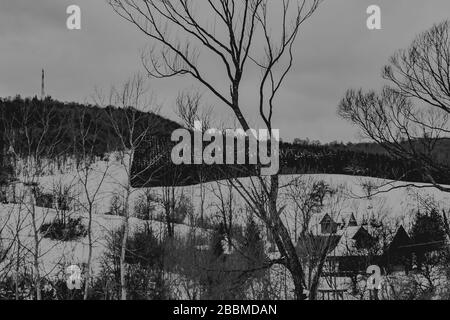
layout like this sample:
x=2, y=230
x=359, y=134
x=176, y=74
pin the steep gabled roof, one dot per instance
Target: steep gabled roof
x=348, y=240
x=326, y=219
x=400, y=240
x=352, y=221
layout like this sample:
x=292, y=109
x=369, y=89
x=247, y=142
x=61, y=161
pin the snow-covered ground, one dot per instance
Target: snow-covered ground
x=399, y=205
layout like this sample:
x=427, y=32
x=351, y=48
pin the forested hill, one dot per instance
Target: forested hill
x=368, y=159
x=60, y=128
x=57, y=129
x=294, y=159
x=351, y=159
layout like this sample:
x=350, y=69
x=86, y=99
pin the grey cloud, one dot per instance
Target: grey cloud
x=334, y=51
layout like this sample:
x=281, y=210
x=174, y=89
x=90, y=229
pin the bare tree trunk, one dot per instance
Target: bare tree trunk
x=132, y=133
x=18, y=249
x=251, y=22
x=126, y=231
x=316, y=278
x=16, y=277
x=284, y=241
x=89, y=262
x=37, y=277
x=169, y=205
x=202, y=201
x=292, y=261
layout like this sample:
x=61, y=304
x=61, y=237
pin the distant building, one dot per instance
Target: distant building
x=398, y=255
x=351, y=248
x=347, y=243
x=327, y=225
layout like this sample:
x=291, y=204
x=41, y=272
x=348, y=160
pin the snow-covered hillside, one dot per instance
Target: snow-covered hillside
x=399, y=205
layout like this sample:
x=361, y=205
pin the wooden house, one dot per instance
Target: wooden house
x=348, y=245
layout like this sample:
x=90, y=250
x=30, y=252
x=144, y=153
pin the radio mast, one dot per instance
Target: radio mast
x=43, y=85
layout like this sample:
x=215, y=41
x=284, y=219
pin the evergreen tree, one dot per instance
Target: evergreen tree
x=428, y=234
x=252, y=245
x=217, y=239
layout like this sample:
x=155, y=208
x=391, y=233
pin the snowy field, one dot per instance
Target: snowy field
x=397, y=205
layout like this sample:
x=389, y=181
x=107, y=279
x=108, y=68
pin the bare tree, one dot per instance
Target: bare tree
x=132, y=125
x=38, y=141
x=181, y=35
x=13, y=222
x=190, y=110
x=225, y=207
x=169, y=202
x=310, y=198
x=90, y=177
x=410, y=117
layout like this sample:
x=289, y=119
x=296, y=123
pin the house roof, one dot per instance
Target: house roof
x=400, y=239
x=341, y=243
x=347, y=241
x=326, y=219
x=343, y=218
x=352, y=220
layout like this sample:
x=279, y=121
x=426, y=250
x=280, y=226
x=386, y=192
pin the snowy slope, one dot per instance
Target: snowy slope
x=399, y=204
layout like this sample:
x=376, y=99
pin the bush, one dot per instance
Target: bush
x=184, y=208
x=252, y=246
x=6, y=174
x=116, y=207
x=25, y=288
x=3, y=197
x=428, y=233
x=145, y=206
x=63, y=199
x=208, y=223
x=44, y=200
x=69, y=230
x=143, y=248
x=145, y=259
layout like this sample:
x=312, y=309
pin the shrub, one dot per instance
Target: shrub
x=25, y=287
x=69, y=230
x=44, y=200
x=205, y=223
x=63, y=199
x=145, y=206
x=116, y=207
x=3, y=197
x=252, y=246
x=144, y=249
x=184, y=208
x=177, y=211
x=145, y=259
x=428, y=233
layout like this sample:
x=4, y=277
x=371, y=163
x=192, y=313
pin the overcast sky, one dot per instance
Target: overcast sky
x=335, y=51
